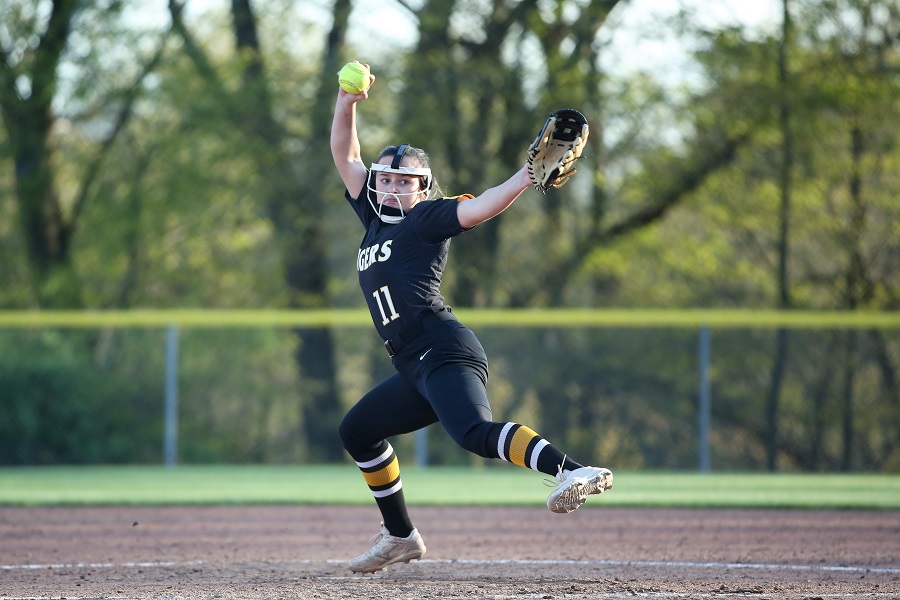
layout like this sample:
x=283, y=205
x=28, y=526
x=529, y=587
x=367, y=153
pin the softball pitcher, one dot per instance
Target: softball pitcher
x=441, y=367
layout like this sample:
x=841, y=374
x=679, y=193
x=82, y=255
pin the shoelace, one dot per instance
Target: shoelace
x=559, y=475
x=377, y=541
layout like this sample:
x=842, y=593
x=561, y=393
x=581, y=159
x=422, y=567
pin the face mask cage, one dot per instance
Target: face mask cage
x=389, y=214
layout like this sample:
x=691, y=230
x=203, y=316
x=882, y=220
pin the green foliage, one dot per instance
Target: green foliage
x=182, y=171
x=58, y=408
x=240, y=397
x=77, y=397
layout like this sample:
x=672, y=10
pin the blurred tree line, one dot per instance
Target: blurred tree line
x=182, y=161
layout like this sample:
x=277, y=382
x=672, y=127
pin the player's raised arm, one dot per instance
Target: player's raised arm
x=549, y=164
x=493, y=201
x=345, y=148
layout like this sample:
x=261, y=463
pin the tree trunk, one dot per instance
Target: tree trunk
x=29, y=120
x=297, y=212
x=784, y=296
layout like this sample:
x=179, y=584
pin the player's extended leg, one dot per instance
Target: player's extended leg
x=391, y=408
x=520, y=445
x=458, y=396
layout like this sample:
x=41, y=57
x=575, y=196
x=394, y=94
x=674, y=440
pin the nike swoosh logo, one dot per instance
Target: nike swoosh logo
x=426, y=352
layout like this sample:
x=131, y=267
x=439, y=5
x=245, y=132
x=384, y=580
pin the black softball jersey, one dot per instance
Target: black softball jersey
x=400, y=265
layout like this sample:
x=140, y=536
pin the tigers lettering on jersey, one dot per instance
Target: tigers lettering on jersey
x=366, y=257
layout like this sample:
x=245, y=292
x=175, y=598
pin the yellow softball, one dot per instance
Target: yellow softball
x=354, y=77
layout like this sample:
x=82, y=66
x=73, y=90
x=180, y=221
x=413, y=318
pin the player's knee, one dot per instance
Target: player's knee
x=475, y=440
x=350, y=435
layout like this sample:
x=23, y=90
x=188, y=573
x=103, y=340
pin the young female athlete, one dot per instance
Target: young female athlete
x=441, y=367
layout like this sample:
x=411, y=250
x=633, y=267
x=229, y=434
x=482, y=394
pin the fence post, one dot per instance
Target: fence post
x=170, y=436
x=420, y=450
x=705, y=403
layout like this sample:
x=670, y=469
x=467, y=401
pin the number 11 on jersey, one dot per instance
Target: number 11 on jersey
x=385, y=318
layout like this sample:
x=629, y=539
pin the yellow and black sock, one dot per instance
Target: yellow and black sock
x=521, y=446
x=382, y=475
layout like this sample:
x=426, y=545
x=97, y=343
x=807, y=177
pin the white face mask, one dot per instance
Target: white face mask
x=389, y=214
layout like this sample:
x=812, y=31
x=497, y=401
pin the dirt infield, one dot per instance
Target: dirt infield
x=493, y=553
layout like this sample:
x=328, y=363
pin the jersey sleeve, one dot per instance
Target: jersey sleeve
x=361, y=206
x=436, y=220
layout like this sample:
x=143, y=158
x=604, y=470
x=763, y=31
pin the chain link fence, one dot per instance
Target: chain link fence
x=657, y=396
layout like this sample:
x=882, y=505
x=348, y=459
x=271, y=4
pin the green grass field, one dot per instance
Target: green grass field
x=21, y=486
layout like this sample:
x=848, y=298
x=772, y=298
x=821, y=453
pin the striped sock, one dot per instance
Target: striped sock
x=382, y=475
x=521, y=446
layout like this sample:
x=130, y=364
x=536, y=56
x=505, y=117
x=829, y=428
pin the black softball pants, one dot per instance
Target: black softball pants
x=441, y=377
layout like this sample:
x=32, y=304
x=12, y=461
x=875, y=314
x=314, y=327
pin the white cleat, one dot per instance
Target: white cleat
x=575, y=486
x=389, y=549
